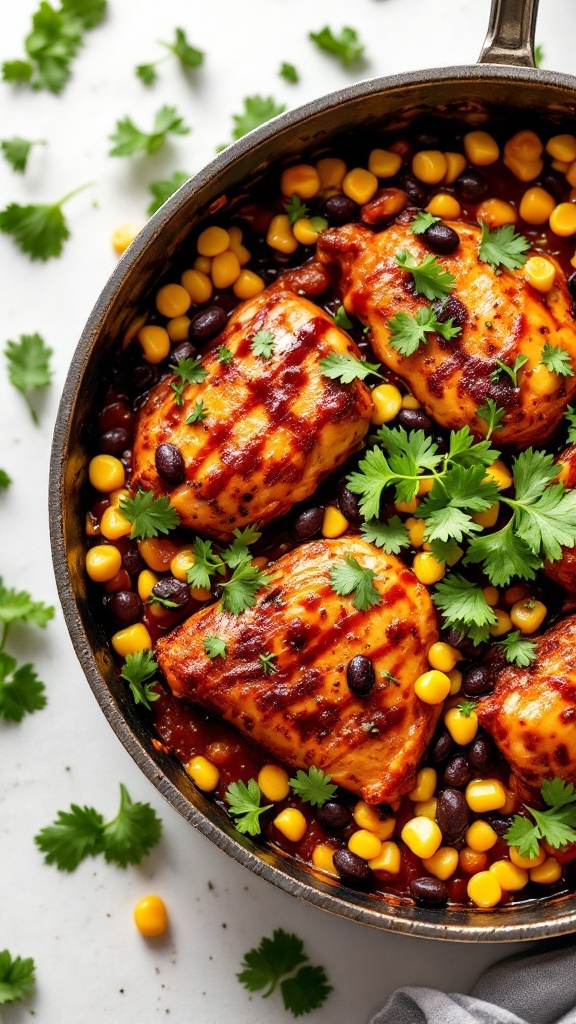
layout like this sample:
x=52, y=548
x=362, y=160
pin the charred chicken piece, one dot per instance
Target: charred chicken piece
x=305, y=712
x=501, y=316
x=532, y=712
x=270, y=427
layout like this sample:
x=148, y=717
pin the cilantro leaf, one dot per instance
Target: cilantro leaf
x=139, y=670
x=538, y=55
x=267, y=663
x=518, y=650
x=341, y=319
x=214, y=647
x=511, y=371
x=17, y=150
x=188, y=56
x=407, y=332
x=556, y=825
x=88, y=12
x=239, y=592
x=18, y=606
x=149, y=516
x=347, y=368
x=503, y=556
x=313, y=786
x=570, y=417
x=244, y=806
x=492, y=414
x=274, y=962
x=5, y=480
x=502, y=247
x=422, y=221
x=39, y=229
x=17, y=71
x=206, y=564
x=306, y=991
x=74, y=835
x=162, y=190
x=132, y=833
x=188, y=371
x=128, y=139
x=16, y=977
x=544, y=512
x=257, y=110
x=50, y=46
x=262, y=344
x=430, y=279
x=21, y=692
x=289, y=73
x=557, y=360
x=459, y=492
x=466, y=707
x=295, y=208
x=346, y=46
x=29, y=366
x=557, y=793
x=349, y=577
x=391, y=536
x=198, y=413
x=224, y=355
x=464, y=607
x=146, y=73
x=247, y=535
x=525, y=835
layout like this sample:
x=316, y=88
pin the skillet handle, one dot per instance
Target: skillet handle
x=510, y=36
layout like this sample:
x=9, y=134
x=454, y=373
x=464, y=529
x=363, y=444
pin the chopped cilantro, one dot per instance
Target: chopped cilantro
x=341, y=319
x=149, y=516
x=162, y=190
x=346, y=46
x=502, y=247
x=274, y=962
x=257, y=110
x=557, y=360
x=16, y=151
x=198, y=413
x=422, y=221
x=16, y=977
x=244, y=806
x=128, y=139
x=511, y=371
x=267, y=665
x=430, y=280
x=29, y=366
x=139, y=670
x=407, y=332
x=349, y=577
x=214, y=647
x=556, y=825
x=313, y=786
x=289, y=73
x=492, y=414
x=518, y=650
x=295, y=208
x=262, y=344
x=39, y=229
x=391, y=536
x=347, y=368
x=464, y=607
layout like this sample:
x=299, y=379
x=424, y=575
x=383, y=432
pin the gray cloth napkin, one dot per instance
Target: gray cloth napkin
x=537, y=989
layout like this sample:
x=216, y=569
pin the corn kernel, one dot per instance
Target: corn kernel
x=198, y=285
x=481, y=837
x=291, y=823
x=113, y=525
x=543, y=381
x=155, y=343
x=150, y=916
x=106, y=473
x=562, y=147
x=225, y=269
x=203, y=773
x=524, y=170
x=239, y=250
x=416, y=529
x=432, y=687
x=331, y=171
x=172, y=300
x=118, y=495
x=526, y=862
x=540, y=273
x=422, y=836
x=547, y=873
x=500, y=474
x=481, y=148
x=502, y=625
x=471, y=861
x=212, y=241
x=429, y=166
x=387, y=403
x=203, y=264
x=485, y=795
x=492, y=594
x=455, y=164
x=563, y=219
x=442, y=656
x=304, y=232
x=146, y=582
x=409, y=402
x=157, y=553
x=365, y=844
x=426, y=808
x=496, y=213
x=512, y=802
x=274, y=782
x=484, y=889
x=461, y=727
x=425, y=785
x=323, y=859
x=131, y=640
x=562, y=166
x=360, y=185
x=178, y=328
x=389, y=859
x=383, y=163
x=571, y=175
x=200, y=593
x=301, y=180
x=455, y=677
x=524, y=145
x=445, y=206
x=425, y=485
x=334, y=524
x=442, y=864
x=367, y=818
x=536, y=205
x=514, y=594
x=122, y=236
x=510, y=877
x=103, y=562
x=427, y=569
x=408, y=507
x=528, y=615
x=248, y=285
x=280, y=235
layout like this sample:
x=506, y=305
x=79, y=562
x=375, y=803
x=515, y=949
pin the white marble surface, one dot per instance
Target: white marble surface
x=92, y=965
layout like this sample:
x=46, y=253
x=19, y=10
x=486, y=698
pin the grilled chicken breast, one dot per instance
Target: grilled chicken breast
x=273, y=428
x=532, y=712
x=304, y=712
x=501, y=317
x=563, y=570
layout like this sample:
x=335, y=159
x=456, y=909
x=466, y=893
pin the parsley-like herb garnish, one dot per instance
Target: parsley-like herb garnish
x=21, y=692
x=128, y=139
x=39, y=229
x=313, y=787
x=244, y=806
x=518, y=650
x=342, y=320
x=239, y=592
x=346, y=46
x=466, y=707
x=29, y=366
x=5, y=480
x=262, y=344
x=511, y=371
x=391, y=536
x=149, y=516
x=492, y=414
x=267, y=663
x=557, y=360
x=188, y=57
x=295, y=208
x=162, y=190
x=139, y=670
x=289, y=73
x=346, y=368
x=430, y=280
x=422, y=221
x=257, y=110
x=16, y=977
x=464, y=607
x=556, y=825
x=349, y=577
x=407, y=332
x=570, y=417
x=188, y=371
x=274, y=962
x=502, y=247
x=206, y=564
x=214, y=647
x=198, y=413
x=17, y=150
x=224, y=355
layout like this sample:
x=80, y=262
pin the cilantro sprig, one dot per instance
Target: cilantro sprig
x=17, y=150
x=128, y=139
x=188, y=56
x=243, y=801
x=38, y=229
x=257, y=110
x=344, y=367
x=407, y=332
x=5, y=480
x=430, y=280
x=215, y=647
x=29, y=367
x=139, y=671
x=274, y=963
x=187, y=371
x=238, y=593
x=82, y=832
x=162, y=190
x=295, y=208
x=510, y=371
x=422, y=221
x=464, y=607
x=502, y=247
x=391, y=536
x=313, y=787
x=16, y=977
x=263, y=344
x=349, y=577
x=556, y=825
x=518, y=650
x=345, y=46
x=21, y=692
x=557, y=360
x=341, y=319
x=149, y=515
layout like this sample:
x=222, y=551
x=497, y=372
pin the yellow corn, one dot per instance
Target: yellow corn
x=383, y=163
x=389, y=859
x=331, y=172
x=471, y=861
x=462, y=728
x=514, y=594
x=481, y=148
x=429, y=166
x=443, y=657
x=455, y=164
x=203, y=264
x=540, y=273
x=203, y=773
x=432, y=687
x=131, y=640
x=510, y=877
x=416, y=529
x=480, y=836
x=563, y=219
x=484, y=889
x=526, y=862
x=155, y=343
x=528, y=615
x=239, y=250
x=274, y=782
x=543, y=381
x=198, y=285
x=201, y=593
x=181, y=562
x=408, y=507
x=360, y=185
x=524, y=170
x=300, y=180
x=150, y=916
x=422, y=836
x=367, y=818
x=113, y=525
x=323, y=858
x=485, y=795
x=122, y=236
x=147, y=580
x=426, y=808
x=425, y=485
x=455, y=677
x=280, y=235
x=409, y=402
x=225, y=269
x=334, y=524
x=445, y=206
x=427, y=569
x=365, y=844
x=157, y=552
x=442, y=864
x=547, y=873
x=247, y=285
x=103, y=562
x=500, y=474
x=502, y=625
x=562, y=147
x=172, y=300
x=212, y=241
x=536, y=205
x=425, y=785
x=304, y=232
x=178, y=328
x=492, y=594
x=387, y=403
x=571, y=175
x=106, y=473
x=291, y=823
x=118, y=495
x=524, y=145
x=496, y=212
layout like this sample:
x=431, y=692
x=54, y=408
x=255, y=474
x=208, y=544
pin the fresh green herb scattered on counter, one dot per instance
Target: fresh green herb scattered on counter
x=139, y=670
x=244, y=806
x=313, y=786
x=295, y=208
x=557, y=360
x=502, y=247
x=430, y=280
x=21, y=692
x=162, y=190
x=214, y=647
x=346, y=368
x=16, y=977
x=341, y=319
x=188, y=57
x=54, y=41
x=267, y=663
x=257, y=110
x=492, y=414
x=5, y=480
x=556, y=825
x=539, y=55
x=510, y=371
x=464, y=607
x=349, y=577
x=274, y=962
x=29, y=366
x=128, y=139
x=149, y=516
x=407, y=332
x=17, y=150
x=262, y=344
x=518, y=650
x=82, y=832
x=391, y=536
x=289, y=73
x=422, y=221
x=39, y=229
x=346, y=46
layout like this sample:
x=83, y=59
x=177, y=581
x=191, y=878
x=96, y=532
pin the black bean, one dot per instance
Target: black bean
x=451, y=309
x=427, y=139
x=360, y=675
x=457, y=772
x=452, y=814
x=207, y=323
x=114, y=442
x=471, y=186
x=482, y=753
x=143, y=377
x=132, y=560
x=169, y=463
x=413, y=188
x=334, y=816
x=225, y=301
x=441, y=443
x=441, y=239
x=555, y=184
x=308, y=523
x=415, y=419
x=349, y=504
x=185, y=350
x=126, y=607
x=351, y=867
x=428, y=890
x=441, y=747
x=478, y=681
x=572, y=286
x=499, y=823
x=340, y=210
x=171, y=589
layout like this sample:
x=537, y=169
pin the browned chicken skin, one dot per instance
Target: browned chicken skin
x=532, y=712
x=304, y=713
x=505, y=317
x=274, y=427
